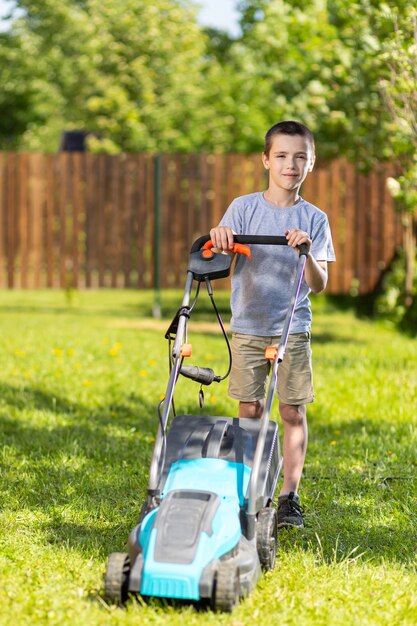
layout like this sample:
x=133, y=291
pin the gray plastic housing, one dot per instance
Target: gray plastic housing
x=229, y=438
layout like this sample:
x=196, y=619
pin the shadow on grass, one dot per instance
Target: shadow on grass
x=363, y=305
x=127, y=310
x=331, y=338
x=86, y=470
x=87, y=464
x=360, y=493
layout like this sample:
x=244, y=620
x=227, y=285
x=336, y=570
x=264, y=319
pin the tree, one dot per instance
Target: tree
x=109, y=67
x=293, y=54
x=324, y=61
x=18, y=93
x=400, y=96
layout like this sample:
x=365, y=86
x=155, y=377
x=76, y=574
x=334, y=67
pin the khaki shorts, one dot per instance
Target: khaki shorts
x=249, y=375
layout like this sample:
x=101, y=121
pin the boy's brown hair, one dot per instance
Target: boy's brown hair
x=288, y=127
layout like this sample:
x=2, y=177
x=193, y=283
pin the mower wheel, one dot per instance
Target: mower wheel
x=226, y=588
x=266, y=537
x=116, y=578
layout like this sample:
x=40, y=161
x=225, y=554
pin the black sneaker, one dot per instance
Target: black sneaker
x=289, y=511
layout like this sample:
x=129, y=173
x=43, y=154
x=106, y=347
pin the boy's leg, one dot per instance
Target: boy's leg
x=295, y=438
x=295, y=390
x=294, y=420
x=294, y=444
x=251, y=409
x=247, y=382
x=294, y=451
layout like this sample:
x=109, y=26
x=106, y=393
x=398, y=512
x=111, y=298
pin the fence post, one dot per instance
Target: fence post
x=156, y=309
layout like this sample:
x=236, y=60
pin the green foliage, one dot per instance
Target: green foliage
x=322, y=64
x=399, y=53
x=399, y=90
x=18, y=93
x=79, y=388
x=129, y=71
x=391, y=304
x=143, y=75
x=289, y=54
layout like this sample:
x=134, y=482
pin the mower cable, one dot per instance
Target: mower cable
x=218, y=379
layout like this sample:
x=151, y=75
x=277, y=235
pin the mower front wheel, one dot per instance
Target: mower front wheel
x=116, y=578
x=227, y=588
x=266, y=537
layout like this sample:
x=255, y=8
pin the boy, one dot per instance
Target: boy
x=261, y=291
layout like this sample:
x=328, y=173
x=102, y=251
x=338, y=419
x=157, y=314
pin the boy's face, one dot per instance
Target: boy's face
x=289, y=161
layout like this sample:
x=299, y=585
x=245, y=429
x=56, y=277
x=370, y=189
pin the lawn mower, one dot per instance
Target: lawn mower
x=208, y=526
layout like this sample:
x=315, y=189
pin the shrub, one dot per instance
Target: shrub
x=391, y=303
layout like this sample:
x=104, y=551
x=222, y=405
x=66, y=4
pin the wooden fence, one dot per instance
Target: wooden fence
x=84, y=220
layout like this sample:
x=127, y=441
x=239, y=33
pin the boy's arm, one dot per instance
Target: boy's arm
x=316, y=274
x=315, y=271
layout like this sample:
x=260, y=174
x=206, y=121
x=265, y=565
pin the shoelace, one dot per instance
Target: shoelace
x=291, y=506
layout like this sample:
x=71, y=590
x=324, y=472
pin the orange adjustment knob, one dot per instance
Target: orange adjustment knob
x=271, y=353
x=207, y=254
x=186, y=349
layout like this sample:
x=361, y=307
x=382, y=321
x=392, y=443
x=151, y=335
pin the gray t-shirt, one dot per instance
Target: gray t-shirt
x=261, y=287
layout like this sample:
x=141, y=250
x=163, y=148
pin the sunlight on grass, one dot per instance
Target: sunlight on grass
x=79, y=388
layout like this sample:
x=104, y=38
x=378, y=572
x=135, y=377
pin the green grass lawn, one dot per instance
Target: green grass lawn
x=79, y=384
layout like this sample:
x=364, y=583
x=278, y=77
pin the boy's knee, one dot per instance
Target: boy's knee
x=251, y=409
x=292, y=415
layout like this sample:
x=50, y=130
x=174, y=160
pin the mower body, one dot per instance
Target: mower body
x=176, y=549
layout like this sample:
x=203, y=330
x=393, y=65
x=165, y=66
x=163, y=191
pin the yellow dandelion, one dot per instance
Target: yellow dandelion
x=57, y=351
x=336, y=432
x=114, y=351
x=87, y=383
x=143, y=373
x=152, y=362
x=70, y=351
x=77, y=366
x=333, y=443
x=389, y=452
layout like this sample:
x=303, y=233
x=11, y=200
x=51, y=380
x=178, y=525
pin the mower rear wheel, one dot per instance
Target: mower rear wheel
x=266, y=537
x=227, y=588
x=116, y=578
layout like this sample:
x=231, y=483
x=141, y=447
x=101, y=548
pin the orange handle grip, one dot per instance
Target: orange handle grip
x=241, y=248
x=238, y=248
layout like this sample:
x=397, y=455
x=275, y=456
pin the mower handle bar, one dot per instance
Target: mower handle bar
x=265, y=240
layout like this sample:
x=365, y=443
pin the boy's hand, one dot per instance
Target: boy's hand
x=295, y=237
x=222, y=238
